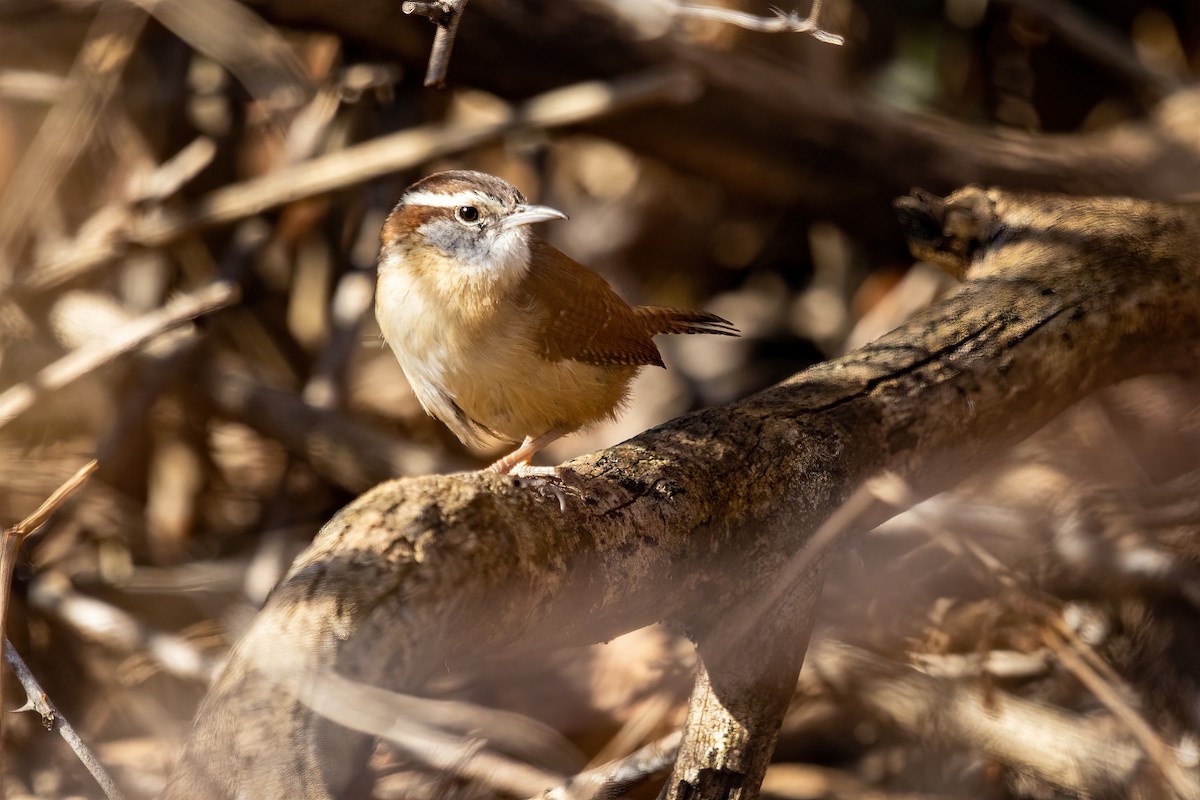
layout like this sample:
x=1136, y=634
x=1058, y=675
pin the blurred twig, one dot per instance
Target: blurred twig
x=1068, y=750
x=31, y=86
x=66, y=130
x=782, y=22
x=869, y=505
x=1074, y=654
x=343, y=450
x=137, y=332
x=240, y=40
x=567, y=106
x=445, y=14
x=11, y=545
x=450, y=737
x=351, y=301
x=117, y=629
x=176, y=171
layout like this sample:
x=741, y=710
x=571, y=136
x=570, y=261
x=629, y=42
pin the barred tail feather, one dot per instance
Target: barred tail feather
x=675, y=320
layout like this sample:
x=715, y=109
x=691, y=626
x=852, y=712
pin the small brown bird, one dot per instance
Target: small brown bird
x=500, y=334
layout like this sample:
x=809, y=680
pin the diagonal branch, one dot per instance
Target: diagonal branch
x=688, y=522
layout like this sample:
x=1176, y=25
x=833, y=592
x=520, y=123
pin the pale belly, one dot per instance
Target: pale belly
x=498, y=379
x=515, y=392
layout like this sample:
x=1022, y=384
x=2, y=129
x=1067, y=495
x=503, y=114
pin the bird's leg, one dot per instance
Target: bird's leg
x=517, y=462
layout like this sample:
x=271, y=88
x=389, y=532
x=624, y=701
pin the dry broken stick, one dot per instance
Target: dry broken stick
x=445, y=14
x=688, y=521
x=11, y=545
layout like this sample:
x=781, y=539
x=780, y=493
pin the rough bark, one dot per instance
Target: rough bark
x=688, y=520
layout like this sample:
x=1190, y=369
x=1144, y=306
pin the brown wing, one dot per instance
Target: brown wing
x=580, y=317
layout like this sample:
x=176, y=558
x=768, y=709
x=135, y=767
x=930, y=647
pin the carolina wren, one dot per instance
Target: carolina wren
x=500, y=334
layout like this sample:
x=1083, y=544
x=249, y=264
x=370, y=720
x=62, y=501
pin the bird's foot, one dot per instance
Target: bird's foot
x=517, y=462
x=550, y=482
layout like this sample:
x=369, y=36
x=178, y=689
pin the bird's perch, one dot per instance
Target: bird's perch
x=690, y=520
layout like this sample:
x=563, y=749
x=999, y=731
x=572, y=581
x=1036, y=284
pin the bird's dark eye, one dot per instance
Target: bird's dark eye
x=467, y=214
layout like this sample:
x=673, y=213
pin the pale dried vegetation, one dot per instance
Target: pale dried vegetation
x=189, y=211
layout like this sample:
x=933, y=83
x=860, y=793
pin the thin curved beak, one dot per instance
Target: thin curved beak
x=527, y=215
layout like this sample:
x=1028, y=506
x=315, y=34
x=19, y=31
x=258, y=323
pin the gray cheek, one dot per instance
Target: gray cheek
x=457, y=241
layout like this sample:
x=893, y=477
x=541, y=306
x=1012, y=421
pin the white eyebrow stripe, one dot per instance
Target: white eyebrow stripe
x=437, y=200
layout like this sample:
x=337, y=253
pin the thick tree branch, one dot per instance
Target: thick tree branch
x=687, y=521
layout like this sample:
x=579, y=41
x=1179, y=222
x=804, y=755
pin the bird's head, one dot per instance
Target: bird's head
x=477, y=222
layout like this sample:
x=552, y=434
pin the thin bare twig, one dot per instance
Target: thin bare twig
x=53, y=719
x=42, y=513
x=12, y=539
x=782, y=22
x=137, y=332
x=445, y=14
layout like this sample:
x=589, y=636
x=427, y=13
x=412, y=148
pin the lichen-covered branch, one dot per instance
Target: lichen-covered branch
x=687, y=521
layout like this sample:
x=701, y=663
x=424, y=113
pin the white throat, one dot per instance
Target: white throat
x=499, y=258
x=507, y=258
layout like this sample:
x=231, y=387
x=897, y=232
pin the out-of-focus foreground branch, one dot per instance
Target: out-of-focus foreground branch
x=688, y=521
